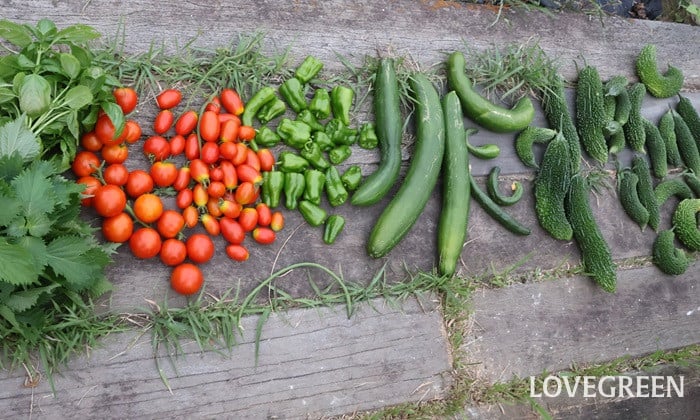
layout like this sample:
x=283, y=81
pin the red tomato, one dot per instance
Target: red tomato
x=266, y=159
x=183, y=178
x=252, y=159
x=246, y=132
x=199, y=171
x=132, y=131
x=191, y=216
x=214, y=105
x=91, y=185
x=173, y=252
x=200, y=248
x=148, y=208
x=186, y=279
x=145, y=243
x=248, y=219
x=264, y=235
x=163, y=173
x=85, y=163
x=177, y=145
x=105, y=131
x=229, y=175
x=89, y=141
x=229, y=130
x=246, y=193
x=126, y=98
x=116, y=174
x=200, y=196
x=192, y=147
x=237, y=252
x=241, y=154
x=230, y=208
x=115, y=153
x=209, y=153
x=211, y=225
x=247, y=173
x=109, y=200
x=184, y=198
x=213, y=207
x=186, y=123
x=264, y=214
x=231, y=101
x=169, y=98
x=170, y=223
x=231, y=230
x=163, y=121
x=139, y=183
x=216, y=173
x=118, y=228
x=209, y=126
x=156, y=148
x=228, y=150
x=216, y=189
x=277, y=221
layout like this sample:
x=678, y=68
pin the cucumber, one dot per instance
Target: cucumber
x=596, y=256
x=668, y=133
x=525, y=140
x=389, y=130
x=666, y=256
x=484, y=151
x=690, y=115
x=672, y=187
x=629, y=199
x=685, y=223
x=454, y=215
x=590, y=113
x=495, y=211
x=656, y=148
x=634, y=129
x=403, y=210
x=551, y=187
x=558, y=116
x=645, y=190
x=687, y=147
x=495, y=193
x=659, y=85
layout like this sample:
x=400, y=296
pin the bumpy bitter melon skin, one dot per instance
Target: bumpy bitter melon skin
x=685, y=224
x=668, y=133
x=629, y=199
x=687, y=148
x=551, y=186
x=672, y=187
x=590, y=113
x=634, y=129
x=690, y=115
x=656, y=148
x=659, y=85
x=645, y=190
x=595, y=251
x=526, y=138
x=666, y=256
x=558, y=116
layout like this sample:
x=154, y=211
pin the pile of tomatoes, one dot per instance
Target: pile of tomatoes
x=217, y=186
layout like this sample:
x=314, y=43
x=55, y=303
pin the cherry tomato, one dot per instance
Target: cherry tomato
x=173, y=252
x=116, y=174
x=186, y=123
x=145, y=243
x=177, y=145
x=231, y=101
x=277, y=221
x=216, y=189
x=109, y=200
x=91, y=185
x=246, y=132
x=163, y=173
x=199, y=171
x=264, y=214
x=148, y=207
x=229, y=130
x=126, y=98
x=183, y=178
x=246, y=193
x=231, y=230
x=200, y=248
x=248, y=219
x=115, y=153
x=200, y=196
x=156, y=148
x=247, y=173
x=264, y=235
x=228, y=150
x=118, y=228
x=139, y=183
x=163, y=121
x=191, y=216
x=213, y=207
x=211, y=225
x=214, y=105
x=184, y=198
x=237, y=252
x=132, y=131
x=266, y=159
x=209, y=126
x=192, y=147
x=85, y=163
x=216, y=173
x=186, y=279
x=170, y=223
x=169, y=98
x=89, y=141
x=209, y=153
x=105, y=131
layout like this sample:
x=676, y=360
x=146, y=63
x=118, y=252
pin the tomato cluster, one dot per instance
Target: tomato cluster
x=218, y=186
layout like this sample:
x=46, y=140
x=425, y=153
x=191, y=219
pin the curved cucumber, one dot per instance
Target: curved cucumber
x=495, y=211
x=404, y=208
x=495, y=193
x=484, y=151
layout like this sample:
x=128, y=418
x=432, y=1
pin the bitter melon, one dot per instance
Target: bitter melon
x=590, y=113
x=687, y=147
x=668, y=133
x=690, y=116
x=666, y=256
x=670, y=188
x=693, y=182
x=629, y=199
x=634, y=129
x=685, y=223
x=526, y=138
x=559, y=118
x=645, y=190
x=659, y=85
x=596, y=256
x=551, y=185
x=656, y=148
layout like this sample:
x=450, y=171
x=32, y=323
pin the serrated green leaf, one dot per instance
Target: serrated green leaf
x=33, y=189
x=77, y=34
x=26, y=299
x=36, y=248
x=101, y=286
x=10, y=167
x=68, y=257
x=6, y=95
x=16, y=137
x=10, y=208
x=38, y=225
x=16, y=265
x=17, y=228
x=15, y=33
x=34, y=95
x=78, y=97
x=70, y=65
x=9, y=316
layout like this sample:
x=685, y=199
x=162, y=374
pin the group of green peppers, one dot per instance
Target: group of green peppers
x=306, y=173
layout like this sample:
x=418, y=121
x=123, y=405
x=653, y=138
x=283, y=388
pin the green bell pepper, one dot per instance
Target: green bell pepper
x=291, y=162
x=308, y=69
x=320, y=104
x=309, y=119
x=315, y=181
x=273, y=185
x=352, y=177
x=333, y=226
x=312, y=213
x=341, y=102
x=368, y=137
x=271, y=110
x=340, y=133
x=323, y=140
x=314, y=155
x=338, y=154
x=266, y=137
x=294, y=186
x=335, y=190
x=294, y=133
x=292, y=92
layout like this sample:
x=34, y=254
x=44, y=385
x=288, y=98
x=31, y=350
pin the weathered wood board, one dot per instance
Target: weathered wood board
x=311, y=364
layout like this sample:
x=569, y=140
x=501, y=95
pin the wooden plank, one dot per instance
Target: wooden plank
x=527, y=329
x=312, y=363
